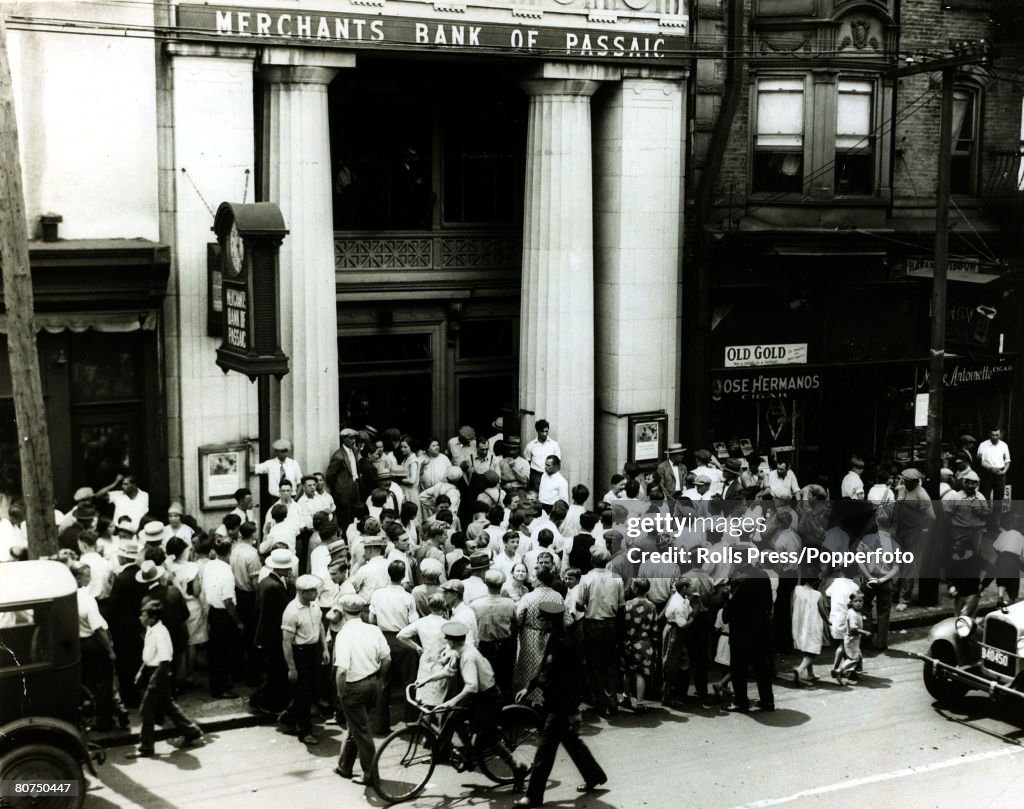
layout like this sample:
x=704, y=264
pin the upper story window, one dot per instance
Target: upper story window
x=855, y=159
x=964, y=158
x=817, y=135
x=778, y=145
x=779, y=138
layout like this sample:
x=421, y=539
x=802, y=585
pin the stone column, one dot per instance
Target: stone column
x=297, y=176
x=556, y=343
x=638, y=170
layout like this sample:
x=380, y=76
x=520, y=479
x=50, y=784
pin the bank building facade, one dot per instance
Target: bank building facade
x=484, y=204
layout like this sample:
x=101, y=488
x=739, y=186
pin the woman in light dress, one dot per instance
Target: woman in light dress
x=427, y=638
x=434, y=465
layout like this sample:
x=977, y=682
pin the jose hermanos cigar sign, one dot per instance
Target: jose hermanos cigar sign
x=327, y=29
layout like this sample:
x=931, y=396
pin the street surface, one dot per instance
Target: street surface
x=881, y=743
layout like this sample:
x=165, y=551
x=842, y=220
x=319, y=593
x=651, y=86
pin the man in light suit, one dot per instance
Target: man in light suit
x=342, y=477
x=672, y=471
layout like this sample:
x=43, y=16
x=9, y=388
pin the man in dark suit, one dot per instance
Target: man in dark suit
x=342, y=477
x=123, y=606
x=671, y=486
x=272, y=596
x=748, y=612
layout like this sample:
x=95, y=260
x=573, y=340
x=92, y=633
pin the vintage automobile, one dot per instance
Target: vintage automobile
x=43, y=739
x=985, y=654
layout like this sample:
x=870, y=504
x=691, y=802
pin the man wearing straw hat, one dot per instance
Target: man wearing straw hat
x=672, y=471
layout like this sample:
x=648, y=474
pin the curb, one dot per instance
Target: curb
x=211, y=725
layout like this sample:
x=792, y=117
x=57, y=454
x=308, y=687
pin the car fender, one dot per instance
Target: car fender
x=46, y=730
x=944, y=632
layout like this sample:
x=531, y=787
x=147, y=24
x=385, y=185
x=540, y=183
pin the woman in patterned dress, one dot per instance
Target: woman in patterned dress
x=532, y=634
x=407, y=455
x=641, y=624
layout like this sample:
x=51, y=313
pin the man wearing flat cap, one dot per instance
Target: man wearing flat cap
x=513, y=468
x=480, y=690
x=280, y=468
x=304, y=644
x=968, y=512
x=361, y=659
x=672, y=471
x=913, y=518
x=462, y=447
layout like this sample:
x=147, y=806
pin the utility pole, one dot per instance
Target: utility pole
x=964, y=53
x=29, y=411
x=928, y=586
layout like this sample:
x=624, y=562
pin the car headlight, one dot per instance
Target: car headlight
x=1020, y=646
x=964, y=626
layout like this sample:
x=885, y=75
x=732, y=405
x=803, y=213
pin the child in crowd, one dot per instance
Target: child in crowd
x=853, y=659
x=838, y=594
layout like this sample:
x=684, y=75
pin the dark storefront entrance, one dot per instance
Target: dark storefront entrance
x=97, y=314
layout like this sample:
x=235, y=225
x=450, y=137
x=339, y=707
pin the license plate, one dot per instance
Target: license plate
x=996, y=656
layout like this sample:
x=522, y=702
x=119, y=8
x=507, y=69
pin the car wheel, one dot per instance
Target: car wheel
x=43, y=762
x=943, y=691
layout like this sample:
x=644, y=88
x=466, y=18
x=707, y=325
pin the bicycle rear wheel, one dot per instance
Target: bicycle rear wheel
x=404, y=763
x=519, y=728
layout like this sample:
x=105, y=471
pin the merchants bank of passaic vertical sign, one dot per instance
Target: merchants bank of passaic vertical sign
x=326, y=29
x=250, y=237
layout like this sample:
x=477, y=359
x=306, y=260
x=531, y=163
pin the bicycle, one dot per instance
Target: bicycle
x=406, y=759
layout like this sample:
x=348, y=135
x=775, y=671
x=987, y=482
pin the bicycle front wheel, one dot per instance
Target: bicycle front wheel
x=404, y=763
x=519, y=728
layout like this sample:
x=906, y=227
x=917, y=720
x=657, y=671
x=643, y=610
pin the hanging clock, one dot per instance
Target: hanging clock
x=236, y=251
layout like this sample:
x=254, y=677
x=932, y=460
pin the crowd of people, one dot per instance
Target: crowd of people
x=348, y=589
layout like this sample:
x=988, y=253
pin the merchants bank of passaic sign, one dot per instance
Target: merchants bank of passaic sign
x=326, y=29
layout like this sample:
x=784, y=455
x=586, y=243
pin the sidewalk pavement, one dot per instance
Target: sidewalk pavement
x=215, y=715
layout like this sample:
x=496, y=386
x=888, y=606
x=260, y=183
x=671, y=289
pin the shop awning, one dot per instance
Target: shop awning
x=965, y=276
x=55, y=322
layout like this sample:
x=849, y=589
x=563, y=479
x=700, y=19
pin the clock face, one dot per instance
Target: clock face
x=236, y=250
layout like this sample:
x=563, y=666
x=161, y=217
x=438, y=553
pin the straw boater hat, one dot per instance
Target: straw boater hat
x=128, y=548
x=153, y=531
x=675, y=449
x=85, y=493
x=280, y=559
x=337, y=549
x=282, y=444
x=498, y=424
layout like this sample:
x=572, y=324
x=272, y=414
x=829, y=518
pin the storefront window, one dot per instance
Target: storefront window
x=104, y=367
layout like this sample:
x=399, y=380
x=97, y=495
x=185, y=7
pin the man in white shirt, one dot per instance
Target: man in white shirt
x=102, y=578
x=994, y=457
x=131, y=501
x=97, y=648
x=361, y=659
x=373, y=574
x=298, y=515
x=311, y=500
x=218, y=585
x=852, y=487
x=709, y=468
x=553, y=485
x=461, y=612
x=393, y=608
x=462, y=447
x=782, y=482
x=280, y=468
x=538, y=450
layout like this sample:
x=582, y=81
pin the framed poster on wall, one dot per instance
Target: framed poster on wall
x=648, y=437
x=223, y=469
